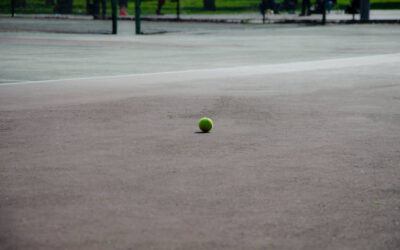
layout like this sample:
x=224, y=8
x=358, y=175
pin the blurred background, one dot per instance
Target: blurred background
x=232, y=11
x=149, y=7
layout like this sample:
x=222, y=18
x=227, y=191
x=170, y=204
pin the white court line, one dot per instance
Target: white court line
x=11, y=80
x=250, y=70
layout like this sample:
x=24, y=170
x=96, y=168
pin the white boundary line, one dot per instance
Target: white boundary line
x=249, y=70
x=11, y=80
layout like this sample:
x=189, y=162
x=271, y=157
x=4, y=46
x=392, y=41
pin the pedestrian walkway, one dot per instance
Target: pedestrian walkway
x=389, y=16
x=337, y=16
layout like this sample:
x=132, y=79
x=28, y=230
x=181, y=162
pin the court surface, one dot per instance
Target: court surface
x=99, y=145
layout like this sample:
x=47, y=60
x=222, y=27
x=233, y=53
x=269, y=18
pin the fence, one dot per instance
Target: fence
x=100, y=16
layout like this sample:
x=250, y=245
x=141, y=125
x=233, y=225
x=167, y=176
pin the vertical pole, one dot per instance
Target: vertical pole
x=114, y=16
x=177, y=10
x=323, y=12
x=364, y=10
x=12, y=8
x=137, y=16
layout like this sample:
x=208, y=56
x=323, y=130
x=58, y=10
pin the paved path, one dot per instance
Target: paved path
x=336, y=16
x=333, y=17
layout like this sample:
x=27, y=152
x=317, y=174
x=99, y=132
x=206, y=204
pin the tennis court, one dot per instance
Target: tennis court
x=99, y=144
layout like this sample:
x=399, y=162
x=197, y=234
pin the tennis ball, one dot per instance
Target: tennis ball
x=205, y=124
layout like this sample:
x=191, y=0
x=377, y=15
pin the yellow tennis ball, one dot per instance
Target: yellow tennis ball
x=205, y=124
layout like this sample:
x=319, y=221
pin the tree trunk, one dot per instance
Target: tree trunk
x=209, y=4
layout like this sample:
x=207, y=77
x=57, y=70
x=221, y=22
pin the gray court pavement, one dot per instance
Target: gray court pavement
x=44, y=56
x=305, y=152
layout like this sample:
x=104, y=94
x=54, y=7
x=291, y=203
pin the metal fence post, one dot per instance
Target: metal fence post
x=137, y=16
x=177, y=10
x=364, y=10
x=114, y=16
x=12, y=8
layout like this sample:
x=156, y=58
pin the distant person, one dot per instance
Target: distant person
x=305, y=7
x=329, y=5
x=123, y=4
x=289, y=6
x=353, y=8
x=160, y=5
x=96, y=9
x=269, y=5
x=318, y=7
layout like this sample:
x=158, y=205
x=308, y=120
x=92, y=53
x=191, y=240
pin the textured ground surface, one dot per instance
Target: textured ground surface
x=305, y=153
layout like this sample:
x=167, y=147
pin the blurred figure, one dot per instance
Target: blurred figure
x=269, y=5
x=305, y=6
x=353, y=8
x=160, y=5
x=62, y=6
x=318, y=7
x=123, y=4
x=96, y=9
x=329, y=5
x=289, y=6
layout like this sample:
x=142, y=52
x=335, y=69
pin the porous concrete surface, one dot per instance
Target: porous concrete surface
x=305, y=152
